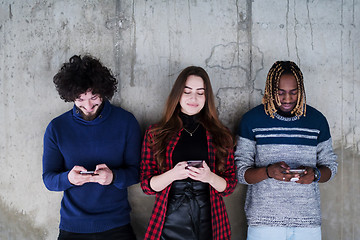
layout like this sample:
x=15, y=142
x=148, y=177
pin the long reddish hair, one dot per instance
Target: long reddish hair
x=170, y=123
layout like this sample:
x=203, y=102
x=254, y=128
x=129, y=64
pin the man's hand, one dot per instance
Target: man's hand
x=308, y=177
x=105, y=175
x=78, y=179
x=279, y=171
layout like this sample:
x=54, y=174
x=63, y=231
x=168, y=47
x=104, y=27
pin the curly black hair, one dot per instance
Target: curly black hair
x=81, y=74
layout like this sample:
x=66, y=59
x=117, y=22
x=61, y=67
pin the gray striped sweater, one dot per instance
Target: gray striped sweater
x=297, y=141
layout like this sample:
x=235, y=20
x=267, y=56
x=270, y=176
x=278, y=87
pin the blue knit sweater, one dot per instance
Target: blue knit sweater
x=297, y=141
x=113, y=138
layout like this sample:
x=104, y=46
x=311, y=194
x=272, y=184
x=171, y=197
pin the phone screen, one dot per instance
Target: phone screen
x=195, y=163
x=88, y=172
x=297, y=170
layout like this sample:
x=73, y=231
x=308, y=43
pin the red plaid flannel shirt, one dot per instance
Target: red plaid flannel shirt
x=149, y=168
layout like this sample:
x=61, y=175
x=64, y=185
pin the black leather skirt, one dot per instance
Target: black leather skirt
x=188, y=215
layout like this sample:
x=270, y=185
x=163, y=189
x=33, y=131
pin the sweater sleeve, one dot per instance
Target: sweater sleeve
x=245, y=149
x=324, y=150
x=128, y=174
x=54, y=175
x=244, y=157
x=148, y=165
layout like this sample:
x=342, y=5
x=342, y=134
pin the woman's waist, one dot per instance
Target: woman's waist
x=191, y=188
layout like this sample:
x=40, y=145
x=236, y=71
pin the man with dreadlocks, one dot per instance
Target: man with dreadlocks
x=275, y=140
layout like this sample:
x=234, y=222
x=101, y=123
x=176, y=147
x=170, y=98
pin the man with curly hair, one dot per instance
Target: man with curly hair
x=92, y=154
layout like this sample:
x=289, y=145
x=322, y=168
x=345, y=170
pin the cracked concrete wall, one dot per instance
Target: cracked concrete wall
x=147, y=44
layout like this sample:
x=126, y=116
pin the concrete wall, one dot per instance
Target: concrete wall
x=146, y=44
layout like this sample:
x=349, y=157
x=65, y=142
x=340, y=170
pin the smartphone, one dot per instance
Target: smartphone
x=195, y=163
x=297, y=171
x=88, y=172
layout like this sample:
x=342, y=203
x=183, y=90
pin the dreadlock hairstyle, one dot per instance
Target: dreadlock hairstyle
x=171, y=123
x=271, y=98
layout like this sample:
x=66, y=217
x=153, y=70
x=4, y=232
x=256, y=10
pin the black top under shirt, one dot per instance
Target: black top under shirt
x=191, y=147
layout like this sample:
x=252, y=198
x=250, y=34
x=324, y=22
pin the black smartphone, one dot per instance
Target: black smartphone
x=195, y=163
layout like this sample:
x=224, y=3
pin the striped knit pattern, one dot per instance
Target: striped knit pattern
x=298, y=141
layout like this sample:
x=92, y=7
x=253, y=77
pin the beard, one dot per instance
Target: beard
x=89, y=117
x=92, y=116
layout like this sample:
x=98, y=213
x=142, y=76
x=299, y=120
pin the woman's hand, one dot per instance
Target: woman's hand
x=160, y=182
x=204, y=174
x=180, y=171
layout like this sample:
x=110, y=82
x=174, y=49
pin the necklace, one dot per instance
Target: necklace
x=191, y=133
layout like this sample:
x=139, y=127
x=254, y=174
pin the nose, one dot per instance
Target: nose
x=193, y=96
x=87, y=105
x=287, y=98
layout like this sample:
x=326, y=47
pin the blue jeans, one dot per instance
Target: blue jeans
x=283, y=233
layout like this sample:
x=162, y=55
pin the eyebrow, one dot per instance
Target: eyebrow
x=290, y=90
x=196, y=89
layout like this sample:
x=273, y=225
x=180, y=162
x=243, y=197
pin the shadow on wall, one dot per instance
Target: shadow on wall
x=340, y=198
x=142, y=206
x=15, y=225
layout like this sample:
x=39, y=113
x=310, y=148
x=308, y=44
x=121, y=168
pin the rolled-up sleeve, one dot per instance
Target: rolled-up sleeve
x=229, y=175
x=148, y=165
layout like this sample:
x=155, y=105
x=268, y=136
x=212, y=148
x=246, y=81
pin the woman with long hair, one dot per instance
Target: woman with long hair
x=188, y=163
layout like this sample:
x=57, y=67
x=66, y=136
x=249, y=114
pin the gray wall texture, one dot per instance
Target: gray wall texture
x=147, y=43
